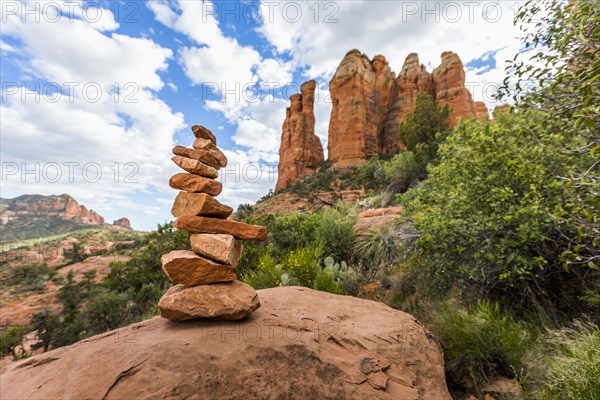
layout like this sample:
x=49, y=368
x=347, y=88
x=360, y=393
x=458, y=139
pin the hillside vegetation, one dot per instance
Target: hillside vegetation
x=497, y=250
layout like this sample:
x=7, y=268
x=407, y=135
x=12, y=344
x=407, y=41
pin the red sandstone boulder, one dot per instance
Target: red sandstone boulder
x=195, y=167
x=222, y=301
x=201, y=132
x=239, y=230
x=219, y=247
x=300, y=344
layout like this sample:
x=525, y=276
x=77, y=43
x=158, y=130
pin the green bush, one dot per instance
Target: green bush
x=30, y=278
x=303, y=264
x=481, y=342
x=566, y=364
x=335, y=232
x=377, y=247
x=10, y=339
x=329, y=277
x=488, y=214
x=266, y=275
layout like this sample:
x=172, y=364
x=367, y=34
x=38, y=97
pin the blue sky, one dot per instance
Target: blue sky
x=95, y=94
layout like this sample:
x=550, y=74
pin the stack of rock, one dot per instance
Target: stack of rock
x=205, y=278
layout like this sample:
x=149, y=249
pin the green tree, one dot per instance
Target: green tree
x=562, y=38
x=47, y=327
x=489, y=214
x=10, y=339
x=424, y=130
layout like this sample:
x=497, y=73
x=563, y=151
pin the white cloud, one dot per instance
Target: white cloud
x=393, y=29
x=7, y=48
x=242, y=77
x=101, y=126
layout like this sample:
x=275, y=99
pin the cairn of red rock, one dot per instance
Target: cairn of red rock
x=205, y=278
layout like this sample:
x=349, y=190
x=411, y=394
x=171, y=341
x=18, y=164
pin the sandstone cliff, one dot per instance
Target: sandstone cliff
x=360, y=93
x=300, y=150
x=31, y=216
x=369, y=102
x=300, y=344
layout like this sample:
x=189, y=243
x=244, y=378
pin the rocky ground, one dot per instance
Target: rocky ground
x=300, y=344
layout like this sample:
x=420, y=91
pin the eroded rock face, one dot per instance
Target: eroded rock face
x=360, y=93
x=300, y=344
x=300, y=151
x=369, y=103
x=449, y=82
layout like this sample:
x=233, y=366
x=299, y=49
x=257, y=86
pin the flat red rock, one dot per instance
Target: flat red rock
x=199, y=204
x=195, y=167
x=204, y=156
x=195, y=184
x=204, y=133
x=219, y=247
x=223, y=301
x=208, y=145
x=187, y=268
x=196, y=224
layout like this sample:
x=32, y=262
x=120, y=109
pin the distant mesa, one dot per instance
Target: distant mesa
x=368, y=104
x=32, y=216
x=122, y=222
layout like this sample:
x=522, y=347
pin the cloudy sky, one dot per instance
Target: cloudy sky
x=95, y=94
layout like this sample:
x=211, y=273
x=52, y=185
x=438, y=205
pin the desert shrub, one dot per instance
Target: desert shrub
x=10, y=339
x=488, y=214
x=371, y=175
x=106, y=310
x=266, y=275
x=424, y=130
x=303, y=263
x=329, y=277
x=29, y=278
x=377, y=247
x=481, y=342
x=402, y=171
x=335, y=232
x=566, y=364
x=332, y=228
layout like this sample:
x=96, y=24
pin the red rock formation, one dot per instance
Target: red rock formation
x=481, y=111
x=300, y=151
x=63, y=206
x=360, y=92
x=369, y=104
x=412, y=81
x=449, y=82
x=122, y=222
